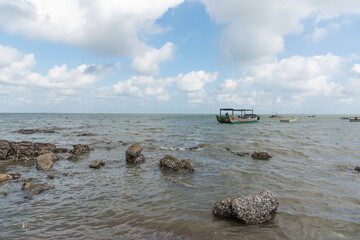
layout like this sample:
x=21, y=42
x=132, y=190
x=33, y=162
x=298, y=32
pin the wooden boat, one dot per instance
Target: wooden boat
x=237, y=116
x=355, y=119
x=288, y=120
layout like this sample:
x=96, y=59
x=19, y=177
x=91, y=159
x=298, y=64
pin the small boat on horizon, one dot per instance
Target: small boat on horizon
x=355, y=119
x=244, y=116
x=311, y=115
x=288, y=120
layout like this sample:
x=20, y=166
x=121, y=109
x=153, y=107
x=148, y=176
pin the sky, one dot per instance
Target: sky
x=180, y=56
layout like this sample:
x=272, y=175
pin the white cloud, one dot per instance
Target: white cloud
x=15, y=72
x=105, y=27
x=318, y=34
x=195, y=81
x=148, y=63
x=256, y=29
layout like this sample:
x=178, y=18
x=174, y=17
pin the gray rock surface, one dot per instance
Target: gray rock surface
x=45, y=161
x=251, y=209
x=133, y=154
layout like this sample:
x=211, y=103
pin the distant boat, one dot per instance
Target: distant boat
x=237, y=116
x=275, y=116
x=311, y=115
x=288, y=120
x=355, y=119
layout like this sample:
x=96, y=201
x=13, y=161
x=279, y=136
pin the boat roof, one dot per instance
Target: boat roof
x=233, y=109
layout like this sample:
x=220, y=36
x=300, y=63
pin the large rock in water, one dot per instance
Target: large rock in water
x=170, y=162
x=45, y=161
x=251, y=209
x=261, y=156
x=133, y=154
x=80, y=149
x=34, y=188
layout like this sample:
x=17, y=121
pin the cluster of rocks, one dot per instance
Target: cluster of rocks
x=254, y=155
x=251, y=209
x=32, y=131
x=170, y=162
x=79, y=150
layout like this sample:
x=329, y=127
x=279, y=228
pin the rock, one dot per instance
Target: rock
x=34, y=189
x=13, y=176
x=187, y=165
x=73, y=157
x=170, y=162
x=196, y=148
x=41, y=148
x=4, y=149
x=86, y=135
x=6, y=193
x=32, y=131
x=357, y=169
x=26, y=179
x=80, y=149
x=45, y=161
x=241, y=154
x=51, y=176
x=97, y=164
x=251, y=209
x=179, y=182
x=133, y=154
x=22, y=150
x=61, y=150
x=261, y=156
x=3, y=177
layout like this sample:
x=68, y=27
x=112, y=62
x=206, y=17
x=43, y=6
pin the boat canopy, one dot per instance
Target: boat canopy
x=243, y=111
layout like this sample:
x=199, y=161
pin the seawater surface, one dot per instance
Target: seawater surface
x=311, y=173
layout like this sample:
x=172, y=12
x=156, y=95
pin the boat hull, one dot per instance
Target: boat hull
x=235, y=120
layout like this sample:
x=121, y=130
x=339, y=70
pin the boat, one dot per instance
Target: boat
x=355, y=119
x=311, y=115
x=237, y=116
x=288, y=120
x=275, y=116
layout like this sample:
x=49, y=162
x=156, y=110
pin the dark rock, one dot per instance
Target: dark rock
x=80, y=149
x=179, y=182
x=25, y=180
x=73, y=157
x=45, y=161
x=187, y=165
x=13, y=176
x=241, y=154
x=261, y=156
x=51, y=176
x=3, y=177
x=251, y=209
x=61, y=150
x=170, y=162
x=6, y=193
x=133, y=154
x=86, y=134
x=357, y=169
x=34, y=189
x=227, y=149
x=32, y=131
x=65, y=174
x=196, y=148
x=97, y=164
x=4, y=149
x=21, y=151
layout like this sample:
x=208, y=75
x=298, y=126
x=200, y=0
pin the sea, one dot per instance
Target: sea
x=311, y=173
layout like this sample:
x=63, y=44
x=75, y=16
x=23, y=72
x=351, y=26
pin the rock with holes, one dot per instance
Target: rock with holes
x=133, y=154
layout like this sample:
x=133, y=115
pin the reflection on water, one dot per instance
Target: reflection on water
x=310, y=173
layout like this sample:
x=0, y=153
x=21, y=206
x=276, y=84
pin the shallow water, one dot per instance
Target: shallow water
x=311, y=173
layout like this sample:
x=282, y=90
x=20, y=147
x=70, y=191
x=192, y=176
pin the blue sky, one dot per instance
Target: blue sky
x=177, y=56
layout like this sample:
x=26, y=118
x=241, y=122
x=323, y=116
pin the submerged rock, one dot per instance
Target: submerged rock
x=179, y=182
x=97, y=164
x=261, y=156
x=170, y=162
x=36, y=188
x=241, y=154
x=251, y=209
x=133, y=154
x=32, y=131
x=357, y=169
x=45, y=161
x=6, y=193
x=13, y=176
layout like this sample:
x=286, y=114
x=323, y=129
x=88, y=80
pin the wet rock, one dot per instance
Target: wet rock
x=80, y=149
x=6, y=193
x=196, y=148
x=41, y=148
x=187, y=165
x=133, y=154
x=97, y=164
x=241, y=154
x=51, y=176
x=227, y=149
x=32, y=131
x=61, y=150
x=170, y=162
x=357, y=169
x=86, y=135
x=36, y=188
x=3, y=177
x=45, y=161
x=73, y=157
x=26, y=179
x=4, y=149
x=179, y=182
x=251, y=209
x=21, y=151
x=13, y=176
x=261, y=156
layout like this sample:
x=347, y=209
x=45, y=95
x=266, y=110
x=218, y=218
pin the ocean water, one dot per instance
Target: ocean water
x=311, y=173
